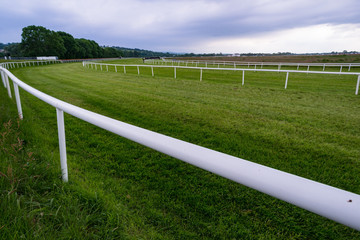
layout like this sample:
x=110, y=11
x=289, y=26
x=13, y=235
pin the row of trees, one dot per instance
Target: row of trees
x=39, y=41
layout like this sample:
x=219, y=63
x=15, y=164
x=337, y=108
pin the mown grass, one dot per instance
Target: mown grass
x=119, y=189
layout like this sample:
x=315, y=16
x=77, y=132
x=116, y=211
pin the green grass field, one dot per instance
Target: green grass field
x=120, y=190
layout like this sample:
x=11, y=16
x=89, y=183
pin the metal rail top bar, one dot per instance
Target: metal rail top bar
x=333, y=203
x=229, y=69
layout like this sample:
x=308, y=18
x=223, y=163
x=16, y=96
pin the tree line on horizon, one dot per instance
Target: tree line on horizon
x=39, y=41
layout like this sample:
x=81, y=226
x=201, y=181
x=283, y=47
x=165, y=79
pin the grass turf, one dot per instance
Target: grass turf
x=119, y=189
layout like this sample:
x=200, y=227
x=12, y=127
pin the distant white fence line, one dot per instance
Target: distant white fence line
x=10, y=65
x=254, y=64
x=105, y=66
x=333, y=203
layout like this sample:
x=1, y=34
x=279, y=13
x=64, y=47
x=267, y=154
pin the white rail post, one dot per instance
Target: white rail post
x=115, y=68
x=357, y=86
x=175, y=72
x=124, y=69
x=18, y=102
x=279, y=67
x=286, y=81
x=3, y=78
x=308, y=68
x=138, y=70
x=95, y=66
x=101, y=67
x=8, y=85
x=201, y=74
x=298, y=67
x=62, y=144
x=152, y=71
x=341, y=68
x=349, y=67
x=107, y=68
x=324, y=67
x=243, y=77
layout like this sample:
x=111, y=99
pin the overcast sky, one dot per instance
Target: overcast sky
x=199, y=26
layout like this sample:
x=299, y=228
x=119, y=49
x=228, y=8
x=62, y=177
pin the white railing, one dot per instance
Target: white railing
x=10, y=65
x=105, y=66
x=333, y=203
x=254, y=64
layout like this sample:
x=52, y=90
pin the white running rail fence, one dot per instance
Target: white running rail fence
x=340, y=66
x=118, y=67
x=333, y=203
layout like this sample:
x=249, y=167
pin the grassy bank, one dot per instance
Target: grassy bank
x=119, y=189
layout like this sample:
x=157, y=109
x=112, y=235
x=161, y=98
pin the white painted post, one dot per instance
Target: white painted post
x=95, y=66
x=308, y=68
x=286, y=81
x=262, y=64
x=243, y=77
x=349, y=67
x=124, y=69
x=107, y=68
x=7, y=85
x=138, y=70
x=341, y=68
x=357, y=86
x=200, y=74
x=298, y=67
x=152, y=71
x=279, y=67
x=62, y=144
x=3, y=78
x=324, y=67
x=18, y=102
x=115, y=68
x=101, y=67
x=175, y=72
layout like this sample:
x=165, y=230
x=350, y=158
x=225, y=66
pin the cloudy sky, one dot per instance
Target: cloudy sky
x=199, y=26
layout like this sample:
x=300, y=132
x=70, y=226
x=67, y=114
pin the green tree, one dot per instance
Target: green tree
x=110, y=52
x=39, y=41
x=70, y=44
x=13, y=50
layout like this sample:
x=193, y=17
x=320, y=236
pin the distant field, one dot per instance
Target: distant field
x=288, y=58
x=311, y=130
